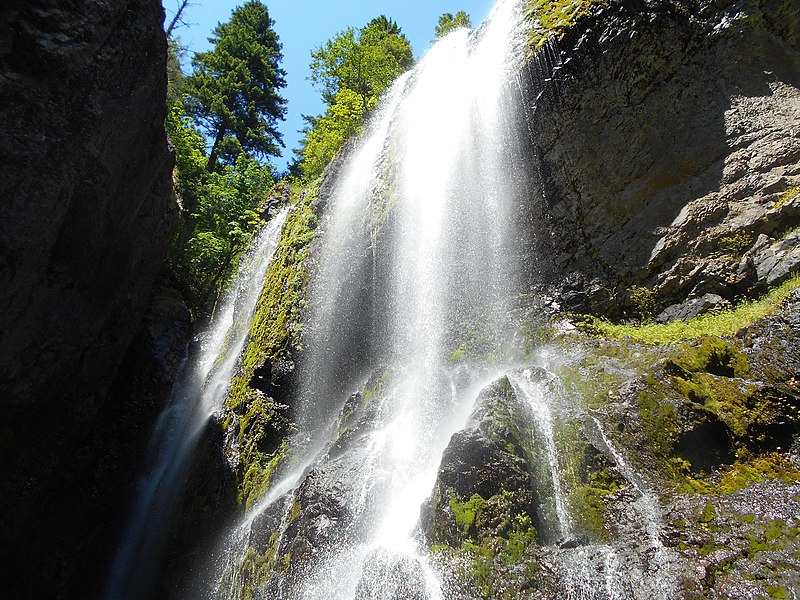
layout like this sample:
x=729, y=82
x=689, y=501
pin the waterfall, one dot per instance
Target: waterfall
x=411, y=315
x=198, y=393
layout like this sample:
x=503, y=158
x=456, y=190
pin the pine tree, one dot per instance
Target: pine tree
x=233, y=93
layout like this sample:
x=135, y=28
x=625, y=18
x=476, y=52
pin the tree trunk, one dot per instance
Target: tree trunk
x=214, y=156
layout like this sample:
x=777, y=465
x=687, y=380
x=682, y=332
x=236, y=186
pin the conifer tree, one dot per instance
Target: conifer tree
x=233, y=93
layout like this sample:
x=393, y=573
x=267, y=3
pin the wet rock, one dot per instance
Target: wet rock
x=655, y=172
x=484, y=478
x=703, y=438
x=691, y=308
x=779, y=260
x=573, y=542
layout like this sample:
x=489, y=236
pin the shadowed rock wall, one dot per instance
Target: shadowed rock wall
x=85, y=221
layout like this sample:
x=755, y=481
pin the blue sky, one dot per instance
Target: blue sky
x=305, y=24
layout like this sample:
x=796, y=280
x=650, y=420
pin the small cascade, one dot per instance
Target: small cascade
x=198, y=393
x=647, y=504
x=536, y=395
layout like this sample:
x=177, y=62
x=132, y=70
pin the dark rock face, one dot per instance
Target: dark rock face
x=485, y=478
x=84, y=226
x=666, y=140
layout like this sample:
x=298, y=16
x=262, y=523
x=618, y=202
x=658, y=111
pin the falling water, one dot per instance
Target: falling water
x=415, y=270
x=198, y=393
x=536, y=395
x=434, y=175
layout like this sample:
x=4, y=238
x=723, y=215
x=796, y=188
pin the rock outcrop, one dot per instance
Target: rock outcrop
x=666, y=136
x=85, y=223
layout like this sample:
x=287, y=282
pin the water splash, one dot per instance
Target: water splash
x=535, y=392
x=198, y=393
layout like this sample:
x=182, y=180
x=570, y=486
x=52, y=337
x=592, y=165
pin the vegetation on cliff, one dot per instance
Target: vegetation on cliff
x=259, y=422
x=351, y=70
x=549, y=19
x=232, y=100
x=719, y=323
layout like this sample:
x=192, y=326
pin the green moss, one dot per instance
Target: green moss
x=466, y=513
x=376, y=386
x=708, y=355
x=722, y=323
x=787, y=196
x=258, y=474
x=743, y=474
x=733, y=246
x=549, y=19
x=659, y=420
x=253, y=572
x=275, y=329
x=471, y=339
x=295, y=512
x=588, y=478
x=709, y=514
x=776, y=592
x=500, y=535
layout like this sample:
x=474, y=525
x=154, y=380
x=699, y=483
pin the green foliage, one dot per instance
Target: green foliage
x=466, y=513
x=644, y=301
x=365, y=61
x=234, y=89
x=722, y=323
x=222, y=214
x=448, y=22
x=733, y=245
x=787, y=196
x=351, y=70
x=232, y=99
x=328, y=133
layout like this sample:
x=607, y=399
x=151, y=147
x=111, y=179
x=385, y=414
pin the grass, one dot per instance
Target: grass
x=722, y=323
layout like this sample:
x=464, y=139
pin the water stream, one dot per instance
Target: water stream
x=199, y=391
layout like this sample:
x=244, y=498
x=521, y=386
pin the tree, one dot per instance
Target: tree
x=448, y=23
x=351, y=70
x=233, y=93
x=365, y=61
x=223, y=210
x=177, y=18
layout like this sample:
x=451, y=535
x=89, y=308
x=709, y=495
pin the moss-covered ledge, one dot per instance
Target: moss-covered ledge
x=550, y=19
x=255, y=418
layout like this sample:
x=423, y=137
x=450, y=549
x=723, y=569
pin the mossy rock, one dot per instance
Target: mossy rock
x=254, y=405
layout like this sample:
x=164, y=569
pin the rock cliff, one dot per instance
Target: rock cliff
x=85, y=223
x=666, y=137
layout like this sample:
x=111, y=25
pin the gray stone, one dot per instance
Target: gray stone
x=691, y=308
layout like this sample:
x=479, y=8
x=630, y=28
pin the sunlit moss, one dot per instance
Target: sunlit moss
x=721, y=323
x=757, y=470
x=549, y=19
x=275, y=329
